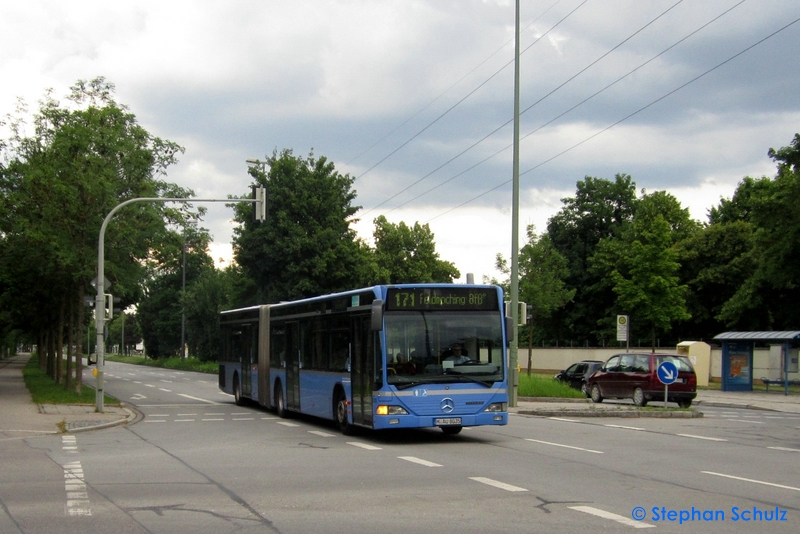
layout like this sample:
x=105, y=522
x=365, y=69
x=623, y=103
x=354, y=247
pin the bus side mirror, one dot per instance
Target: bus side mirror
x=510, y=329
x=377, y=315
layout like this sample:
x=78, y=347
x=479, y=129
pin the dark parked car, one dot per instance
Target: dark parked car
x=634, y=376
x=576, y=375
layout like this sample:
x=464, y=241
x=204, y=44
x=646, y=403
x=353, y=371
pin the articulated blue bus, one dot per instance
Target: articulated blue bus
x=398, y=356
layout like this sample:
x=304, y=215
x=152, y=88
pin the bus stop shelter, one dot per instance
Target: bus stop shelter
x=737, y=357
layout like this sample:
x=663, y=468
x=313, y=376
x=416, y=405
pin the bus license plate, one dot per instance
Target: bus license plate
x=448, y=421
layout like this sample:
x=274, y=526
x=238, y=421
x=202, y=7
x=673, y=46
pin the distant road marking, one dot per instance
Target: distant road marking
x=614, y=517
x=497, y=484
x=253, y=419
x=320, y=433
x=784, y=449
x=751, y=480
x=419, y=461
x=165, y=389
x=746, y=421
x=219, y=419
x=196, y=398
x=701, y=437
x=625, y=427
x=284, y=423
x=564, y=419
x=186, y=414
x=149, y=386
x=565, y=446
x=364, y=446
x=184, y=420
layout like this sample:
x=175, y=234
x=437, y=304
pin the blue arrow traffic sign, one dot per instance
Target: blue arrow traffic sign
x=667, y=373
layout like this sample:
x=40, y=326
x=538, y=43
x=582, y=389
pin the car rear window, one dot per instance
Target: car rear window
x=681, y=363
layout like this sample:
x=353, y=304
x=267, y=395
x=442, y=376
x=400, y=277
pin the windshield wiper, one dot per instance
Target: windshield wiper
x=471, y=379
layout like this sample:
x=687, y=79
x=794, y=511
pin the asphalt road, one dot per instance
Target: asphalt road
x=197, y=463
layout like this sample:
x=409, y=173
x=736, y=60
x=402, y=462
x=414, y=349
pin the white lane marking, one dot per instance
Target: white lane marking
x=625, y=427
x=751, y=480
x=701, y=437
x=565, y=446
x=784, y=449
x=220, y=419
x=214, y=413
x=159, y=415
x=252, y=419
x=419, y=461
x=744, y=421
x=364, y=446
x=149, y=386
x=196, y=398
x=186, y=414
x=284, y=423
x=564, y=419
x=614, y=517
x=323, y=434
x=497, y=484
x=184, y=420
x=74, y=485
x=165, y=389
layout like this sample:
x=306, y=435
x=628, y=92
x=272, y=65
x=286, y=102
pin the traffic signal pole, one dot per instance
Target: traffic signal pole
x=99, y=303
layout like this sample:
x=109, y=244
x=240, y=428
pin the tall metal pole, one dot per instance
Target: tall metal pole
x=99, y=303
x=514, y=357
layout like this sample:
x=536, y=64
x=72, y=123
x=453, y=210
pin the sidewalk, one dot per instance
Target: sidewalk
x=21, y=418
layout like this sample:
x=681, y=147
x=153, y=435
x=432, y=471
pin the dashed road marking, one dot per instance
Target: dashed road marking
x=751, y=480
x=614, y=517
x=419, y=461
x=701, y=437
x=364, y=445
x=74, y=485
x=565, y=446
x=497, y=484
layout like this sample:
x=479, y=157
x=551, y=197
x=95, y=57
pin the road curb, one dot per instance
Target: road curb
x=84, y=426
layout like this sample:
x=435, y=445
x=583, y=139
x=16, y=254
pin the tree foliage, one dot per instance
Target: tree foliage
x=57, y=184
x=307, y=247
x=407, y=254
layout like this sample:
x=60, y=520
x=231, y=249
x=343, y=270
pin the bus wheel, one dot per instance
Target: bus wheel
x=237, y=391
x=280, y=402
x=451, y=430
x=340, y=411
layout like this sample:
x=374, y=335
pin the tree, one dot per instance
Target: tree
x=56, y=186
x=165, y=305
x=408, y=254
x=770, y=294
x=650, y=291
x=542, y=271
x=307, y=247
x=640, y=266
x=601, y=209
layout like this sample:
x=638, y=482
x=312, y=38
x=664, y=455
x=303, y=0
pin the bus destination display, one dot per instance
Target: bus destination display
x=440, y=298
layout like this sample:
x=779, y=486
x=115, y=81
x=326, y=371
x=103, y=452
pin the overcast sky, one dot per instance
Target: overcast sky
x=414, y=98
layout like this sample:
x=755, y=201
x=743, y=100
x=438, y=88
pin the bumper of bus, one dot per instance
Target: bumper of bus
x=381, y=422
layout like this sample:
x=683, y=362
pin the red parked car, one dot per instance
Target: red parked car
x=634, y=376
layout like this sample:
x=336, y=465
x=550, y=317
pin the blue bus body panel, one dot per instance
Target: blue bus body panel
x=316, y=392
x=429, y=402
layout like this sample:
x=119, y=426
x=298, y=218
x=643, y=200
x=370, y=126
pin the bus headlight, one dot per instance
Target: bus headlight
x=391, y=410
x=497, y=407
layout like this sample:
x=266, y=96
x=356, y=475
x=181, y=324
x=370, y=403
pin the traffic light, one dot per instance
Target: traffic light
x=260, y=207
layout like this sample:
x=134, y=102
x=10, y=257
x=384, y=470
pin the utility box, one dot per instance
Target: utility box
x=699, y=353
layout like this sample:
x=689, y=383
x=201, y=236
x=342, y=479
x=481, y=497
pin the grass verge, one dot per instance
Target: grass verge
x=44, y=389
x=544, y=386
x=186, y=364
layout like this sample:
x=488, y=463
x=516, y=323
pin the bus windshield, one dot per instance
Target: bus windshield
x=425, y=347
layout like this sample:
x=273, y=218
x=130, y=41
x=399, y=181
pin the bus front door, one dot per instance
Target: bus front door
x=293, y=367
x=363, y=371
